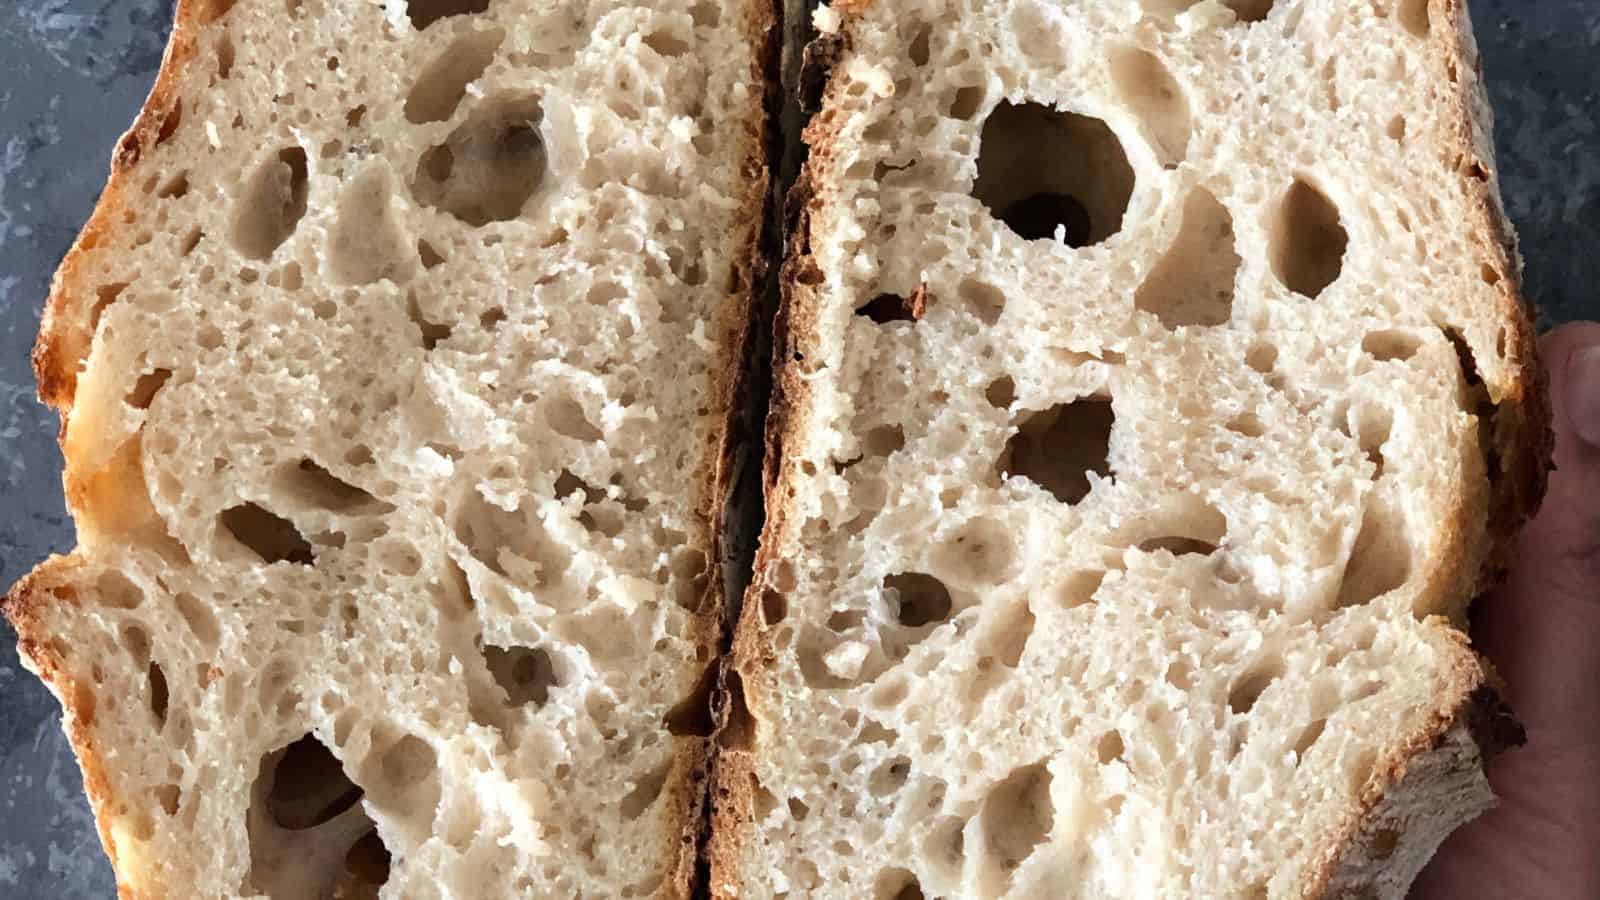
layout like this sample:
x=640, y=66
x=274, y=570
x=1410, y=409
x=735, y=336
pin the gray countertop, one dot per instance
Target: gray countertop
x=72, y=75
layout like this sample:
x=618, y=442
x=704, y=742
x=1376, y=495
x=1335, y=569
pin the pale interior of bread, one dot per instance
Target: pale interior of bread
x=390, y=458
x=1117, y=572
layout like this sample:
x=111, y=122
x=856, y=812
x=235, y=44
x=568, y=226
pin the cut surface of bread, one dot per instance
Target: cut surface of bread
x=1153, y=393
x=395, y=369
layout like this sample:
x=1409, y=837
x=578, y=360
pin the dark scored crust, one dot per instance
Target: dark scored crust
x=1516, y=462
x=738, y=319
x=67, y=331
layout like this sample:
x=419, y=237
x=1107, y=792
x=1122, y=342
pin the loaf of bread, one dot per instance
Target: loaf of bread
x=395, y=370
x=1153, y=393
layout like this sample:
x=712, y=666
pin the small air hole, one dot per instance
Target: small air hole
x=271, y=537
x=1148, y=88
x=1109, y=748
x=1308, y=241
x=1308, y=738
x=644, y=793
x=1043, y=172
x=1262, y=358
x=918, y=50
x=1017, y=816
x=1178, y=546
x=1391, y=346
x=1414, y=17
x=886, y=308
x=966, y=102
x=1060, y=448
x=273, y=203
x=426, y=12
x=985, y=300
x=1249, y=688
x=145, y=389
x=1001, y=393
x=367, y=865
x=1192, y=285
x=917, y=599
x=441, y=86
x=774, y=607
x=158, y=694
x=1250, y=10
x=525, y=674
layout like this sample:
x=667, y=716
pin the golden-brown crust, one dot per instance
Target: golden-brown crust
x=65, y=335
x=1517, y=462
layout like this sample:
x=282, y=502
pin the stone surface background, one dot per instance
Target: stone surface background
x=72, y=76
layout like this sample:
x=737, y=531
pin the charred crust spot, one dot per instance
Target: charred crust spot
x=817, y=62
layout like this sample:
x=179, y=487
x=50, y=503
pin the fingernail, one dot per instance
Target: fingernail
x=1583, y=394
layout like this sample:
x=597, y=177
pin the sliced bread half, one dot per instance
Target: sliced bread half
x=395, y=369
x=1154, y=392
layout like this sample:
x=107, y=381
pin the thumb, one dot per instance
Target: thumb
x=1541, y=629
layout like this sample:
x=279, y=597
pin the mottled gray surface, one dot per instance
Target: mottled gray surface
x=72, y=74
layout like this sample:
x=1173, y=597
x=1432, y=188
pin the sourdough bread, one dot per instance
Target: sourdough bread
x=1153, y=393
x=395, y=370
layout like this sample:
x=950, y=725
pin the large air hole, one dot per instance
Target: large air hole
x=309, y=786
x=272, y=537
x=440, y=87
x=1017, y=817
x=1059, y=448
x=423, y=13
x=917, y=599
x=1148, y=88
x=1308, y=241
x=272, y=204
x=1044, y=172
x=365, y=243
x=1380, y=560
x=488, y=167
x=1193, y=282
x=525, y=674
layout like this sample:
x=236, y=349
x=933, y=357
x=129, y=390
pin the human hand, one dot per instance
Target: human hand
x=1541, y=629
